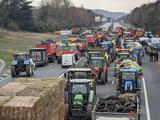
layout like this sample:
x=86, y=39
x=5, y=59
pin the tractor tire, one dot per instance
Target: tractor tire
x=32, y=71
x=13, y=71
x=28, y=70
x=106, y=76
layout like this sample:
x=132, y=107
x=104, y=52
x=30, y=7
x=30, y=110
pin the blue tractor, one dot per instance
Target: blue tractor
x=128, y=81
x=22, y=63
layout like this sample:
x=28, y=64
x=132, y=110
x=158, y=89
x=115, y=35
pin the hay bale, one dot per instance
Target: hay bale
x=40, y=99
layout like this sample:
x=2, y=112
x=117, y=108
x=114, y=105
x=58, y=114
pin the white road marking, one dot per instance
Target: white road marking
x=146, y=99
x=75, y=63
x=112, y=81
x=3, y=64
x=61, y=76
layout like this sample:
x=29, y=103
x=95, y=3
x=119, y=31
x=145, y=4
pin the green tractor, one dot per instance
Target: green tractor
x=81, y=98
x=22, y=63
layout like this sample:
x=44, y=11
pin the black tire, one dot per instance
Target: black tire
x=32, y=71
x=13, y=71
x=28, y=70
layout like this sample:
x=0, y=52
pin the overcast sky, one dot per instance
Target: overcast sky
x=110, y=5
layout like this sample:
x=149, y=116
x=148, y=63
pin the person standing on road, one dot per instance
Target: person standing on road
x=156, y=56
x=151, y=55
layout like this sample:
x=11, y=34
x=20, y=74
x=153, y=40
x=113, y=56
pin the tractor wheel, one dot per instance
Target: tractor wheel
x=32, y=71
x=28, y=71
x=13, y=71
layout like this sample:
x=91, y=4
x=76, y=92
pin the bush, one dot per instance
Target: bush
x=12, y=26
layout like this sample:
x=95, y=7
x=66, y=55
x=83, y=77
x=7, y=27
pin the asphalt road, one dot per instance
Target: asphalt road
x=152, y=78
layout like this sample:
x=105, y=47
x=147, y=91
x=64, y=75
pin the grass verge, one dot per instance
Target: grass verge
x=11, y=42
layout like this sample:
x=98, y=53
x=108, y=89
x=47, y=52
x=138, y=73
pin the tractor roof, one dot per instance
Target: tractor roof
x=128, y=70
x=94, y=52
x=80, y=80
x=22, y=53
x=94, y=58
x=79, y=69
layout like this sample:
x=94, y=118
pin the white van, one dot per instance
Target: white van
x=68, y=60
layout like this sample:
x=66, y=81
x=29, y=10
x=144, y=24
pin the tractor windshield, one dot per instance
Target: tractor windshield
x=79, y=88
x=21, y=57
x=59, y=47
x=82, y=75
x=128, y=76
x=94, y=54
x=98, y=62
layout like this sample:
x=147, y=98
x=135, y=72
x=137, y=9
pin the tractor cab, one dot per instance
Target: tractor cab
x=100, y=67
x=128, y=81
x=80, y=98
x=99, y=53
x=21, y=57
x=81, y=73
x=22, y=63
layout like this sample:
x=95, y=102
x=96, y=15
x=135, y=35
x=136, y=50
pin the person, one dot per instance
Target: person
x=151, y=55
x=156, y=56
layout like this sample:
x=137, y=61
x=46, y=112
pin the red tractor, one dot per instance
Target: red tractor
x=91, y=40
x=100, y=66
x=50, y=47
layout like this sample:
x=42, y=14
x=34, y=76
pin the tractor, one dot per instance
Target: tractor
x=81, y=73
x=100, y=67
x=99, y=53
x=81, y=98
x=22, y=63
x=128, y=81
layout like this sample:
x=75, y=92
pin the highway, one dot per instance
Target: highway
x=151, y=76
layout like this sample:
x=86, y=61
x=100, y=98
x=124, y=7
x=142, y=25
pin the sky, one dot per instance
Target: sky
x=110, y=5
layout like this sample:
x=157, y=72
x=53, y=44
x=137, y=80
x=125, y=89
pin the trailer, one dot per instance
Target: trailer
x=39, y=56
x=114, y=111
x=50, y=47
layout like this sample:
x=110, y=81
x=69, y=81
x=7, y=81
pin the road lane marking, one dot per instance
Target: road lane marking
x=61, y=76
x=146, y=99
x=75, y=64
x=3, y=64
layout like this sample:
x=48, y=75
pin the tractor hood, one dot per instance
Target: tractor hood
x=78, y=101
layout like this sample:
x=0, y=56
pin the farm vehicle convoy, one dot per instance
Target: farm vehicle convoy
x=98, y=52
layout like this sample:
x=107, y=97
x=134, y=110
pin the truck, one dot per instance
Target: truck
x=50, y=47
x=62, y=49
x=116, y=108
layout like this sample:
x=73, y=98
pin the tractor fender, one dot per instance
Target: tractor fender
x=14, y=62
x=26, y=62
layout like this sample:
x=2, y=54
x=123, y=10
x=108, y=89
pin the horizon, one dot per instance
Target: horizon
x=124, y=6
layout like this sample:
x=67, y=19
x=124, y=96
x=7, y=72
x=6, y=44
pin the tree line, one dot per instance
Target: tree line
x=51, y=15
x=146, y=16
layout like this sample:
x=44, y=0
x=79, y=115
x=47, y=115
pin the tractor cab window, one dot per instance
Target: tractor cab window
x=135, y=51
x=98, y=62
x=79, y=88
x=20, y=57
x=82, y=75
x=128, y=76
